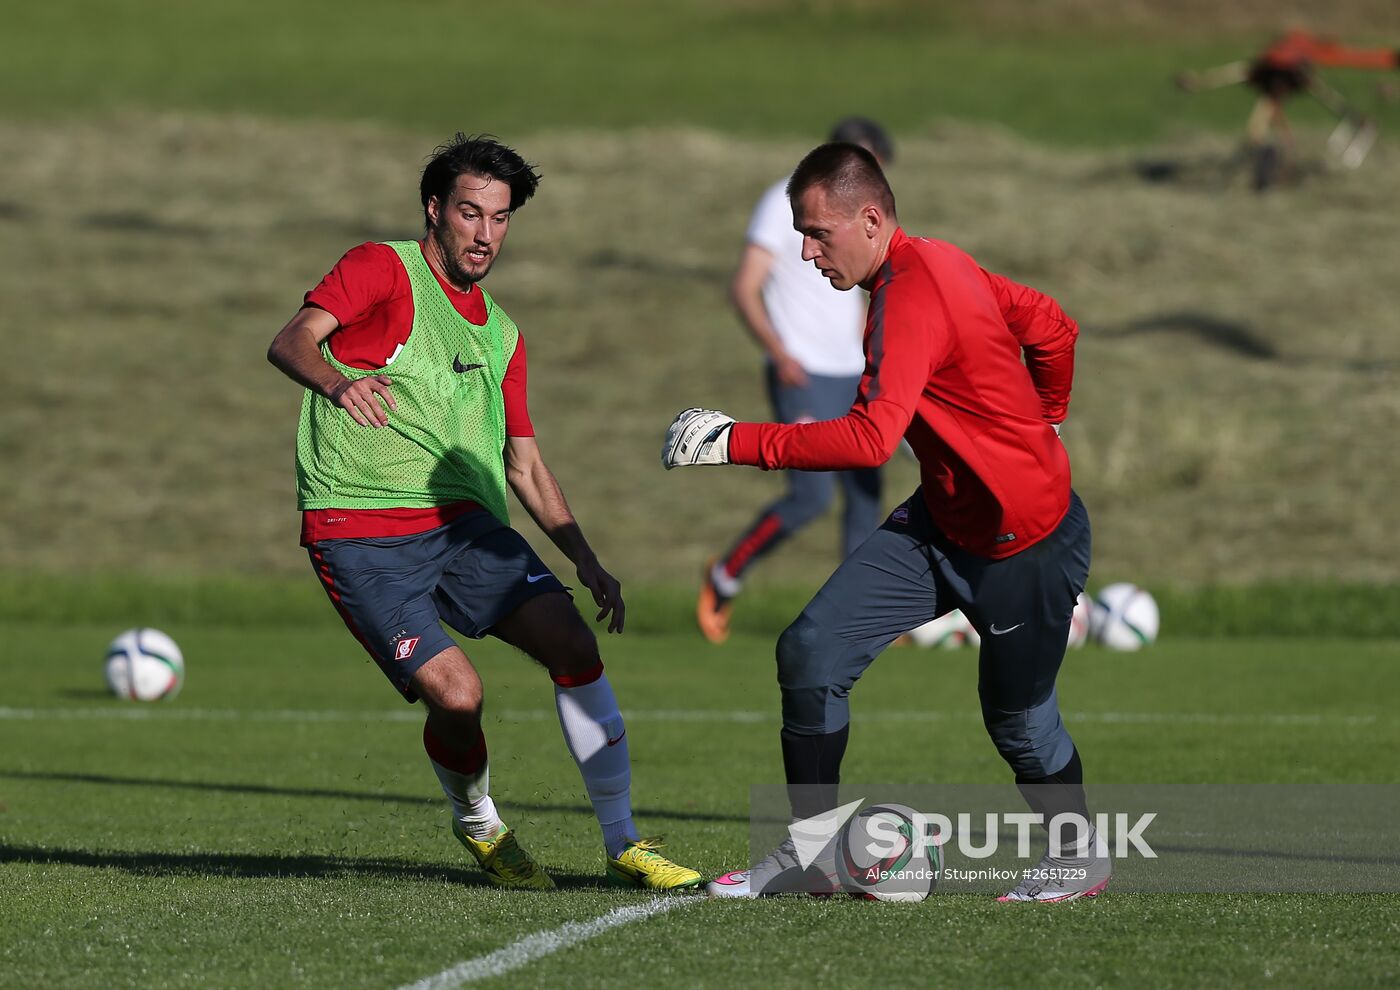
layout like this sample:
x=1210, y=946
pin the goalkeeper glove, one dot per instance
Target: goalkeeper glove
x=697, y=436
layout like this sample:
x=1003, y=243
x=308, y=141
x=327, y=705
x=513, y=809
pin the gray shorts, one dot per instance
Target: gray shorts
x=394, y=593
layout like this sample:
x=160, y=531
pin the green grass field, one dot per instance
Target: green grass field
x=1068, y=71
x=277, y=824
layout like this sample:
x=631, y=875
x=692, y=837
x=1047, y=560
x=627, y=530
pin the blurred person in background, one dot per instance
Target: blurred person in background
x=811, y=336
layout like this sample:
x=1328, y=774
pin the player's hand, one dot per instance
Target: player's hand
x=789, y=372
x=697, y=436
x=357, y=397
x=606, y=591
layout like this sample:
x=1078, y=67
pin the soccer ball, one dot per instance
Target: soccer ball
x=144, y=665
x=1079, y=622
x=949, y=631
x=1125, y=617
x=878, y=857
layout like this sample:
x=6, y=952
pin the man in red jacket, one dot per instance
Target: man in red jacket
x=975, y=371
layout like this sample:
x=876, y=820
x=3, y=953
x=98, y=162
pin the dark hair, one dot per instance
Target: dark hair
x=477, y=154
x=848, y=171
x=866, y=133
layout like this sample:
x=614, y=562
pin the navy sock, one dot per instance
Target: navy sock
x=1059, y=793
x=813, y=768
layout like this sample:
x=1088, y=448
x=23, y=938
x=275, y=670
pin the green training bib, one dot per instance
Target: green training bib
x=445, y=443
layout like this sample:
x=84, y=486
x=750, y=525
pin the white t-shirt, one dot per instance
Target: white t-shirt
x=819, y=326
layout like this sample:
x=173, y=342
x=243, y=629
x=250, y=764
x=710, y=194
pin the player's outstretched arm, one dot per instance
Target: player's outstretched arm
x=697, y=436
x=296, y=352
x=538, y=490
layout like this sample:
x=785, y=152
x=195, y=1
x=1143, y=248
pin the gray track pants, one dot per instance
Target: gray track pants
x=906, y=574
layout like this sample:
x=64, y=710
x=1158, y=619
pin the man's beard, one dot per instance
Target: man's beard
x=452, y=266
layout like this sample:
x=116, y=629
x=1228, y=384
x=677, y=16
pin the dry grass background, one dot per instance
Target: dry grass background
x=1357, y=20
x=1235, y=406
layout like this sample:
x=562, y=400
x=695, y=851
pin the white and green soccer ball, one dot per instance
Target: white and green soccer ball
x=949, y=631
x=144, y=665
x=1125, y=617
x=889, y=852
x=1080, y=621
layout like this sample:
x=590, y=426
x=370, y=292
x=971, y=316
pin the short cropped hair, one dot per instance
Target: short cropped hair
x=866, y=133
x=846, y=170
x=477, y=154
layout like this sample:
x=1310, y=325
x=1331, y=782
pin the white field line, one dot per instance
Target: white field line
x=526, y=950
x=161, y=713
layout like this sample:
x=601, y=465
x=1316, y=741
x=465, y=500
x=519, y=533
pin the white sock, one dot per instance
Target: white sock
x=724, y=584
x=597, y=739
x=471, y=804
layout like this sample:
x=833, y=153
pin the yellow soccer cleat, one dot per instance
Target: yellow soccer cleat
x=505, y=863
x=640, y=865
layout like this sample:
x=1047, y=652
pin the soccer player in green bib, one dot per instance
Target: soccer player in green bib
x=413, y=424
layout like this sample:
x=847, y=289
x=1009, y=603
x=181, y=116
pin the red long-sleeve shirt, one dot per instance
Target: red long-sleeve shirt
x=945, y=343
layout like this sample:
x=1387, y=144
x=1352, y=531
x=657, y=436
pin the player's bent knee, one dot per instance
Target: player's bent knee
x=449, y=687
x=579, y=653
x=800, y=655
x=583, y=643
x=459, y=703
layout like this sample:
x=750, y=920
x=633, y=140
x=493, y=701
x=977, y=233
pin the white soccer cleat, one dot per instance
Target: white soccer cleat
x=780, y=872
x=1060, y=879
x=697, y=436
x=735, y=884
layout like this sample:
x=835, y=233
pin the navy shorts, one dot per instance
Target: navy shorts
x=394, y=593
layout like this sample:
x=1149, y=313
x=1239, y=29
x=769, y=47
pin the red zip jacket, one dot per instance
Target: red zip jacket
x=944, y=346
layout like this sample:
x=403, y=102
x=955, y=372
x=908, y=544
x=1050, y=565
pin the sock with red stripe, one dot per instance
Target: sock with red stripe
x=466, y=780
x=765, y=534
x=597, y=739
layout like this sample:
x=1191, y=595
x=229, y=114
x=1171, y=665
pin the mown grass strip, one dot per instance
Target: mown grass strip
x=1346, y=611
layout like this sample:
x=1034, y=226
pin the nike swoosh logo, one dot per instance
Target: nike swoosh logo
x=614, y=742
x=532, y=578
x=461, y=368
x=1002, y=632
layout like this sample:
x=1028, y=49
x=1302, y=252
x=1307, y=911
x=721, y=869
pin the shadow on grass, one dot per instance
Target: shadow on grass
x=338, y=795
x=256, y=865
x=142, y=222
x=15, y=212
x=84, y=694
x=1237, y=338
x=1230, y=335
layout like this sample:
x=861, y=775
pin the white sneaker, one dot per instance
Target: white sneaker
x=735, y=884
x=780, y=872
x=1058, y=879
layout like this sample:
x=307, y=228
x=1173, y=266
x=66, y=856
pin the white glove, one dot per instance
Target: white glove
x=697, y=436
